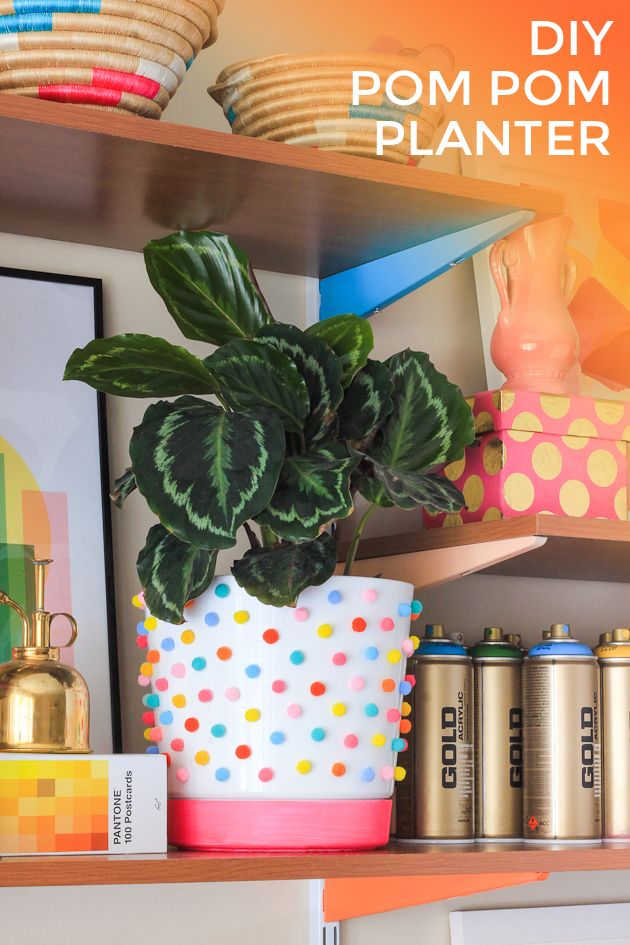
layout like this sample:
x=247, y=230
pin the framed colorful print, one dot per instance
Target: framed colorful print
x=54, y=479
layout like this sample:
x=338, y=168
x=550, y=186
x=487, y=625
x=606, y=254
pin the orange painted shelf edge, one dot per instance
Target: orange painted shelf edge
x=584, y=549
x=398, y=859
x=69, y=173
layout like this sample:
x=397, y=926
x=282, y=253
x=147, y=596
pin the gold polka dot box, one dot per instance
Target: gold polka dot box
x=281, y=725
x=563, y=455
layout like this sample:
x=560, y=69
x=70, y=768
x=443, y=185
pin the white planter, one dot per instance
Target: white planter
x=259, y=703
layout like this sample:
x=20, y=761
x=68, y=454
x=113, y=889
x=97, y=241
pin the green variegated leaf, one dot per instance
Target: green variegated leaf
x=313, y=491
x=123, y=486
x=321, y=372
x=172, y=572
x=430, y=423
x=204, y=471
x=373, y=491
x=366, y=404
x=412, y=491
x=139, y=366
x=208, y=286
x=252, y=375
x=350, y=337
x=278, y=575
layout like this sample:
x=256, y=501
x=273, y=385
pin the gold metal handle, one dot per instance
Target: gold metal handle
x=73, y=625
x=26, y=630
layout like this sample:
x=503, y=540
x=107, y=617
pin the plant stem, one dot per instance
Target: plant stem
x=267, y=536
x=222, y=402
x=354, y=544
x=251, y=534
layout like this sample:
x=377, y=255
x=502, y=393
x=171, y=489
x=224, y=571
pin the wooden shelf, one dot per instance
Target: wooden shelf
x=526, y=546
x=73, y=174
x=398, y=859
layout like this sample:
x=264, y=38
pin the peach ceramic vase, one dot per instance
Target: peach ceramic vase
x=535, y=343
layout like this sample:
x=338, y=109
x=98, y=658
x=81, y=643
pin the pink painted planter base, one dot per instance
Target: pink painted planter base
x=278, y=825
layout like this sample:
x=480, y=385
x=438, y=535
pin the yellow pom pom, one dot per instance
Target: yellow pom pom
x=379, y=740
x=405, y=709
x=187, y=636
x=252, y=715
x=394, y=656
x=325, y=630
x=304, y=766
x=339, y=709
x=399, y=773
x=135, y=600
x=202, y=757
x=241, y=616
x=146, y=669
x=179, y=701
x=150, y=623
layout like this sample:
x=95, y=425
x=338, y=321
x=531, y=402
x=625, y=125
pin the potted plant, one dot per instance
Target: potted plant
x=277, y=691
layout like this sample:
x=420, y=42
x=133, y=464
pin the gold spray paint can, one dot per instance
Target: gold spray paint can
x=561, y=796
x=498, y=714
x=613, y=654
x=442, y=735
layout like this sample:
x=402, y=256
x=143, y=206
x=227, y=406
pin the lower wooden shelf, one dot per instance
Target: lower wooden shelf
x=398, y=859
x=540, y=545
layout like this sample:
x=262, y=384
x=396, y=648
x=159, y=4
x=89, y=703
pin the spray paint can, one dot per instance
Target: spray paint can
x=442, y=782
x=561, y=796
x=498, y=728
x=613, y=654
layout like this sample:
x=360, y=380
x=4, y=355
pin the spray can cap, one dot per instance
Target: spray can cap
x=559, y=631
x=621, y=635
x=492, y=634
x=513, y=638
x=606, y=637
x=434, y=631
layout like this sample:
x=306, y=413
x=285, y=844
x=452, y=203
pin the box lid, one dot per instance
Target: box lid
x=560, y=414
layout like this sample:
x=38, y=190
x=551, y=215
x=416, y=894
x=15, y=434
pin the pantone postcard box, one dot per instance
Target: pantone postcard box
x=82, y=804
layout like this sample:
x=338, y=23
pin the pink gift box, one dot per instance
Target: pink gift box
x=542, y=453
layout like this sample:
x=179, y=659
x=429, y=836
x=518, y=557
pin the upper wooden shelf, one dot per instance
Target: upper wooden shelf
x=69, y=173
x=526, y=546
x=398, y=859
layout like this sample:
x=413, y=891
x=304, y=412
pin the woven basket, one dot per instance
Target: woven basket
x=273, y=126
x=87, y=95
x=50, y=67
x=128, y=55
x=67, y=44
x=307, y=100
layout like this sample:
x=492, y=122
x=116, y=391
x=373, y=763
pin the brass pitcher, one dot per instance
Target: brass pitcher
x=44, y=705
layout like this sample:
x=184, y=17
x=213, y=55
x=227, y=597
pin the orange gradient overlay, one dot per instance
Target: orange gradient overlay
x=485, y=36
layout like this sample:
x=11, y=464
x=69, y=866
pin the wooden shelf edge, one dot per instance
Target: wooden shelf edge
x=536, y=545
x=544, y=202
x=396, y=860
x=537, y=525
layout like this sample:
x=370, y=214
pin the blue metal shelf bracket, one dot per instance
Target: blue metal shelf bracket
x=371, y=287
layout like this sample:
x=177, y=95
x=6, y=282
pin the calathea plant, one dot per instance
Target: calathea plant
x=276, y=431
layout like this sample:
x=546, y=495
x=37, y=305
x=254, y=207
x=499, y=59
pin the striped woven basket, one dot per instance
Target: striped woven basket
x=307, y=100
x=127, y=55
